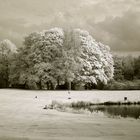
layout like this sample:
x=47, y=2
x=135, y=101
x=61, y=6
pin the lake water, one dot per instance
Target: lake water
x=22, y=116
x=124, y=111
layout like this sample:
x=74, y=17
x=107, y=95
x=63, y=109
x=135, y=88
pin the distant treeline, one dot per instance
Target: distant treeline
x=126, y=73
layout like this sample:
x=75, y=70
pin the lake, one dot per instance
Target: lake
x=124, y=111
x=22, y=116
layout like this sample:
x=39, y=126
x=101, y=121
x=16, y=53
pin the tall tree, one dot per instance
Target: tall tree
x=55, y=57
x=95, y=59
x=128, y=67
x=37, y=57
x=137, y=67
x=71, y=52
x=7, y=50
x=118, y=68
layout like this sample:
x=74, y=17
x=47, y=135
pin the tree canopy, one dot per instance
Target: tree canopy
x=7, y=50
x=55, y=57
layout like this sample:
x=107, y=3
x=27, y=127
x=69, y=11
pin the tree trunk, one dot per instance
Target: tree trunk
x=39, y=84
x=69, y=85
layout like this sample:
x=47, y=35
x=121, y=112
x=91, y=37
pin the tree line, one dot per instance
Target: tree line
x=126, y=68
x=55, y=59
x=126, y=73
x=62, y=59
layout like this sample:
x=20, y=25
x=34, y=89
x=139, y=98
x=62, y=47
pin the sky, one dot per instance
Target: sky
x=113, y=22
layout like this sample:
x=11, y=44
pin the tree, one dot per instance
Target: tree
x=7, y=50
x=95, y=59
x=71, y=55
x=37, y=58
x=118, y=68
x=137, y=67
x=128, y=67
x=54, y=57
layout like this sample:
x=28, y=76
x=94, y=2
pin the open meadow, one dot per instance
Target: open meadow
x=22, y=116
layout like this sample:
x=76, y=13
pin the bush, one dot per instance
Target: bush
x=123, y=85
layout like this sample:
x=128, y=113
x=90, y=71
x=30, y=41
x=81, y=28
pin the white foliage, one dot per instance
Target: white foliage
x=40, y=51
x=6, y=46
x=97, y=60
x=52, y=56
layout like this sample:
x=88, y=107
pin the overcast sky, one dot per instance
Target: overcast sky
x=113, y=22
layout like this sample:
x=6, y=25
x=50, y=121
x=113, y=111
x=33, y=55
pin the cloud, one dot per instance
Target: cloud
x=113, y=22
x=121, y=33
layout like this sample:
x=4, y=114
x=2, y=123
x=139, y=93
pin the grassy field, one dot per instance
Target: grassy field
x=22, y=117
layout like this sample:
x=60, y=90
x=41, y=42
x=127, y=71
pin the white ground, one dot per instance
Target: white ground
x=22, y=117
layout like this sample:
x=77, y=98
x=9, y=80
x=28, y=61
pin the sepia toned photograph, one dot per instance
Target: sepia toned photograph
x=69, y=69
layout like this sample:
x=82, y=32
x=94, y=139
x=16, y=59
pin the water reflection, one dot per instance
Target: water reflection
x=116, y=110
